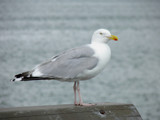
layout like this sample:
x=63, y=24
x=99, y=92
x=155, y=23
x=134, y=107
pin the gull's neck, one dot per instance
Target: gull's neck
x=95, y=42
x=99, y=45
x=99, y=40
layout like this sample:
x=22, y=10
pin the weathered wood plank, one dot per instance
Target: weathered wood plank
x=101, y=111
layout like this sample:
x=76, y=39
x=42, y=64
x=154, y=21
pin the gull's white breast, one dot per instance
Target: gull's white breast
x=103, y=53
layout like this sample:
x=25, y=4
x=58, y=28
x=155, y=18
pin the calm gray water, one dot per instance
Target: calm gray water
x=32, y=31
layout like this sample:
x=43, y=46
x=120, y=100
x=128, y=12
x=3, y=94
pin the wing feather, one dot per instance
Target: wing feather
x=69, y=64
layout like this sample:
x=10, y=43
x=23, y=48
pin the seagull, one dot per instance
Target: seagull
x=74, y=65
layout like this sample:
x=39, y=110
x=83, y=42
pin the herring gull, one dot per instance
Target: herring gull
x=74, y=65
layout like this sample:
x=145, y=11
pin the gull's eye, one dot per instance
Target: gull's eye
x=101, y=33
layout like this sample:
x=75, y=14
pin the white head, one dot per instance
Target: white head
x=103, y=36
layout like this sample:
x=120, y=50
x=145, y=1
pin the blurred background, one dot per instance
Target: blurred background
x=32, y=31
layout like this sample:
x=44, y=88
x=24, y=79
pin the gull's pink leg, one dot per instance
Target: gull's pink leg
x=80, y=99
x=75, y=99
x=78, y=89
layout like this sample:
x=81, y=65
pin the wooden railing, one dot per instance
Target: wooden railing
x=100, y=111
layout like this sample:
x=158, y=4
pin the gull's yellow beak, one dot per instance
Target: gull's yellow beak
x=113, y=37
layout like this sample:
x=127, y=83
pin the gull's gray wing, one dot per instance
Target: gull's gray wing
x=68, y=64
